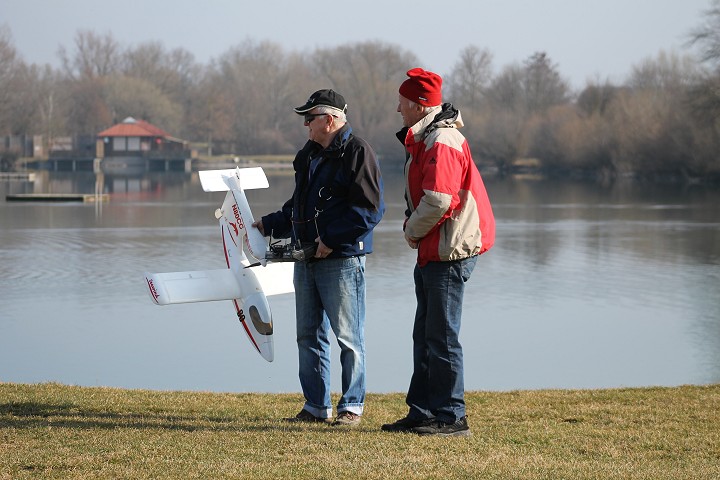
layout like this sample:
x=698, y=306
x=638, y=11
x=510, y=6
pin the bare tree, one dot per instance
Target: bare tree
x=29, y=95
x=542, y=85
x=705, y=94
x=520, y=98
x=667, y=72
x=87, y=111
x=173, y=71
x=175, y=75
x=95, y=56
x=256, y=80
x=9, y=69
x=665, y=118
x=707, y=35
x=210, y=113
x=470, y=77
x=368, y=75
x=47, y=92
x=595, y=97
x=138, y=98
x=506, y=90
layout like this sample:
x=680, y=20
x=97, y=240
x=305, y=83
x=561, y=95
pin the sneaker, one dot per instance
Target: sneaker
x=441, y=429
x=406, y=424
x=346, y=418
x=305, y=416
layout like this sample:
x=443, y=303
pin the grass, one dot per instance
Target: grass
x=57, y=431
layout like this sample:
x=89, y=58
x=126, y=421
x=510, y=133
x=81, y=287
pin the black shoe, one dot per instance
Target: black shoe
x=441, y=429
x=307, y=417
x=406, y=424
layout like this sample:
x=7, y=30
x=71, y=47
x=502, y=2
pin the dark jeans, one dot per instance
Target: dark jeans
x=437, y=388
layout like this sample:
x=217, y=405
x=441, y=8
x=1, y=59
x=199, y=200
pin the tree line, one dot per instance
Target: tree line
x=663, y=121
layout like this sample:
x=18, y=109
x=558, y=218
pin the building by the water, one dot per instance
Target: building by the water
x=137, y=144
x=130, y=147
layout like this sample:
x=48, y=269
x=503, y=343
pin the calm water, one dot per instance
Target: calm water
x=587, y=287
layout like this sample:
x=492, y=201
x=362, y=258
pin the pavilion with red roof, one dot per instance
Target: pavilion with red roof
x=137, y=141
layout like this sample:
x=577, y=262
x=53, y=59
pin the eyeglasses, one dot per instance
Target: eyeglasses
x=309, y=117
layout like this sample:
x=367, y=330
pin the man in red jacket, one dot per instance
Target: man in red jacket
x=450, y=222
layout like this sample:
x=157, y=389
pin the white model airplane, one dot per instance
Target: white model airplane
x=245, y=284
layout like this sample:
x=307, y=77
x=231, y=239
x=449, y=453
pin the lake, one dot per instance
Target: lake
x=587, y=286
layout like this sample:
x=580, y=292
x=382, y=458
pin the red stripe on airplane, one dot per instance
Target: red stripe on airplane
x=247, y=330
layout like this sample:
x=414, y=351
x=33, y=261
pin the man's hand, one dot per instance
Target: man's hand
x=258, y=224
x=322, y=249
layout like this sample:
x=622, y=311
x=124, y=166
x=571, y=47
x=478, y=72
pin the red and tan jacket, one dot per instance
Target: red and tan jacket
x=448, y=206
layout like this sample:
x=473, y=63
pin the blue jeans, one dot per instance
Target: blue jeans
x=436, y=388
x=330, y=293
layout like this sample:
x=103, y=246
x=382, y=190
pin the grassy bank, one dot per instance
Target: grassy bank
x=245, y=160
x=57, y=431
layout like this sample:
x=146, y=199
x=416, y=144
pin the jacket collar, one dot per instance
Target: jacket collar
x=442, y=116
x=337, y=146
x=334, y=150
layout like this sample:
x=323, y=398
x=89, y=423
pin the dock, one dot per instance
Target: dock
x=58, y=197
x=18, y=176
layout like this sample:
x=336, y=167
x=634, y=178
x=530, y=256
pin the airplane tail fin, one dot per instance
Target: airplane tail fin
x=223, y=180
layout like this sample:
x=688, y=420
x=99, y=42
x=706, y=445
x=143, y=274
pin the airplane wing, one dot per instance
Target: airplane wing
x=275, y=278
x=200, y=286
x=213, y=285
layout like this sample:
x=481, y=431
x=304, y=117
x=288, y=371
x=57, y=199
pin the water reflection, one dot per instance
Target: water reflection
x=586, y=287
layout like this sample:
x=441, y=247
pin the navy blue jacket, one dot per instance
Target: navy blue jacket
x=342, y=210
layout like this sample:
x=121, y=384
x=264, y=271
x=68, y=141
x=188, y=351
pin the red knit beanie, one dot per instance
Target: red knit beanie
x=422, y=87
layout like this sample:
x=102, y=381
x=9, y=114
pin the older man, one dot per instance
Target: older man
x=337, y=201
x=450, y=222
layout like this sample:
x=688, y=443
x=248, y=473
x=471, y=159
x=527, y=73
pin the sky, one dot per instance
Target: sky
x=589, y=40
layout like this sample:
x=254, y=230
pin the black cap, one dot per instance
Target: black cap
x=323, y=98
